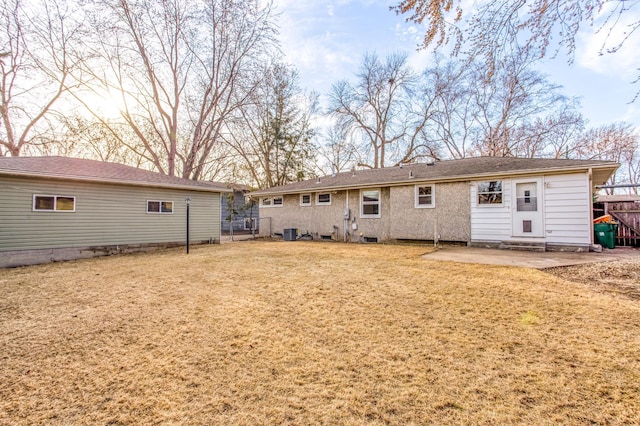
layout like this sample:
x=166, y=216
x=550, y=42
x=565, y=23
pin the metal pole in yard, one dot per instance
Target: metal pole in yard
x=187, y=200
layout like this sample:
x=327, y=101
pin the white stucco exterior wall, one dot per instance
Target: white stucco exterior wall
x=399, y=218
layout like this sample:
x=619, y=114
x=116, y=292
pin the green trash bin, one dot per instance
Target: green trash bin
x=606, y=234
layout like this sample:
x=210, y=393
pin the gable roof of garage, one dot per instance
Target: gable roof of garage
x=79, y=169
x=446, y=171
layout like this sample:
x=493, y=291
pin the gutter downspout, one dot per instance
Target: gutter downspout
x=346, y=218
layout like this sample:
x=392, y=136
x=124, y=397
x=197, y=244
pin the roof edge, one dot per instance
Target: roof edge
x=456, y=178
x=114, y=181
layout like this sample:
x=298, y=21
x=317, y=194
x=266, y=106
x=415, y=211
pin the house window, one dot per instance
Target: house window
x=370, y=203
x=54, y=203
x=425, y=196
x=250, y=223
x=305, y=199
x=490, y=192
x=161, y=207
x=271, y=201
x=324, y=199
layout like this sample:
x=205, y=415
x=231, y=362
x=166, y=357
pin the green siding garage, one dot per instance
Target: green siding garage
x=55, y=208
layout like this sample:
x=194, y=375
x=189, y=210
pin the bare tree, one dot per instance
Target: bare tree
x=513, y=99
x=451, y=129
x=89, y=138
x=555, y=135
x=387, y=107
x=272, y=135
x=36, y=62
x=495, y=28
x=339, y=151
x=515, y=113
x=618, y=142
x=180, y=70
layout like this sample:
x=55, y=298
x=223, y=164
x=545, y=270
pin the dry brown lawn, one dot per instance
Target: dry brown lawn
x=311, y=333
x=621, y=277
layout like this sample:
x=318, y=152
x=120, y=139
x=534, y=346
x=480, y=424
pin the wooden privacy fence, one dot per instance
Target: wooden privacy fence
x=627, y=215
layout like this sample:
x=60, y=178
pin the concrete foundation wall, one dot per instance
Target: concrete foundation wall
x=15, y=258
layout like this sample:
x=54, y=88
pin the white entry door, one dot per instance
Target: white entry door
x=527, y=211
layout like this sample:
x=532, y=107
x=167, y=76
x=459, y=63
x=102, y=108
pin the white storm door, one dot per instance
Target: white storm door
x=527, y=214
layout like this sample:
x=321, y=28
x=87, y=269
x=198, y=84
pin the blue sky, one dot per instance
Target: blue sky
x=325, y=40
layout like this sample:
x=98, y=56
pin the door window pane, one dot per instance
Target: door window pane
x=526, y=200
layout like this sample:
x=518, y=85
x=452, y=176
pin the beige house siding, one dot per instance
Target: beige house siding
x=317, y=219
x=104, y=215
x=448, y=220
x=399, y=218
x=379, y=228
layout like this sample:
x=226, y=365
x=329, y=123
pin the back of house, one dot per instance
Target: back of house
x=542, y=204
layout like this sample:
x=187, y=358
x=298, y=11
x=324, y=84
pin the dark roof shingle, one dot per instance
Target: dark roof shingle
x=449, y=170
x=98, y=171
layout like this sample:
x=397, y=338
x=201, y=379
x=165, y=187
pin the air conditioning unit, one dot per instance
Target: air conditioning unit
x=290, y=234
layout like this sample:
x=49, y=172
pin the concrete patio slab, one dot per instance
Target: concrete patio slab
x=526, y=259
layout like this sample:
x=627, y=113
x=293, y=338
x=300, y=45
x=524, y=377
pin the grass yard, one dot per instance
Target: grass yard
x=311, y=333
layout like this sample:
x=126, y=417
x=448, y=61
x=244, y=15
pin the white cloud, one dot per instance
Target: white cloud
x=408, y=33
x=325, y=41
x=632, y=112
x=593, y=44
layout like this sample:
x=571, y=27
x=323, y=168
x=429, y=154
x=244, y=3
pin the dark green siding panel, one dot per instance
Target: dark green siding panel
x=105, y=215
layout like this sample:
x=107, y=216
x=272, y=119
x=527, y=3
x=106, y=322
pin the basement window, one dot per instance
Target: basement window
x=54, y=203
x=159, y=207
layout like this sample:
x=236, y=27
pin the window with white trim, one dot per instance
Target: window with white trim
x=305, y=199
x=490, y=192
x=323, y=199
x=370, y=203
x=54, y=203
x=250, y=223
x=425, y=196
x=159, y=207
x=272, y=201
